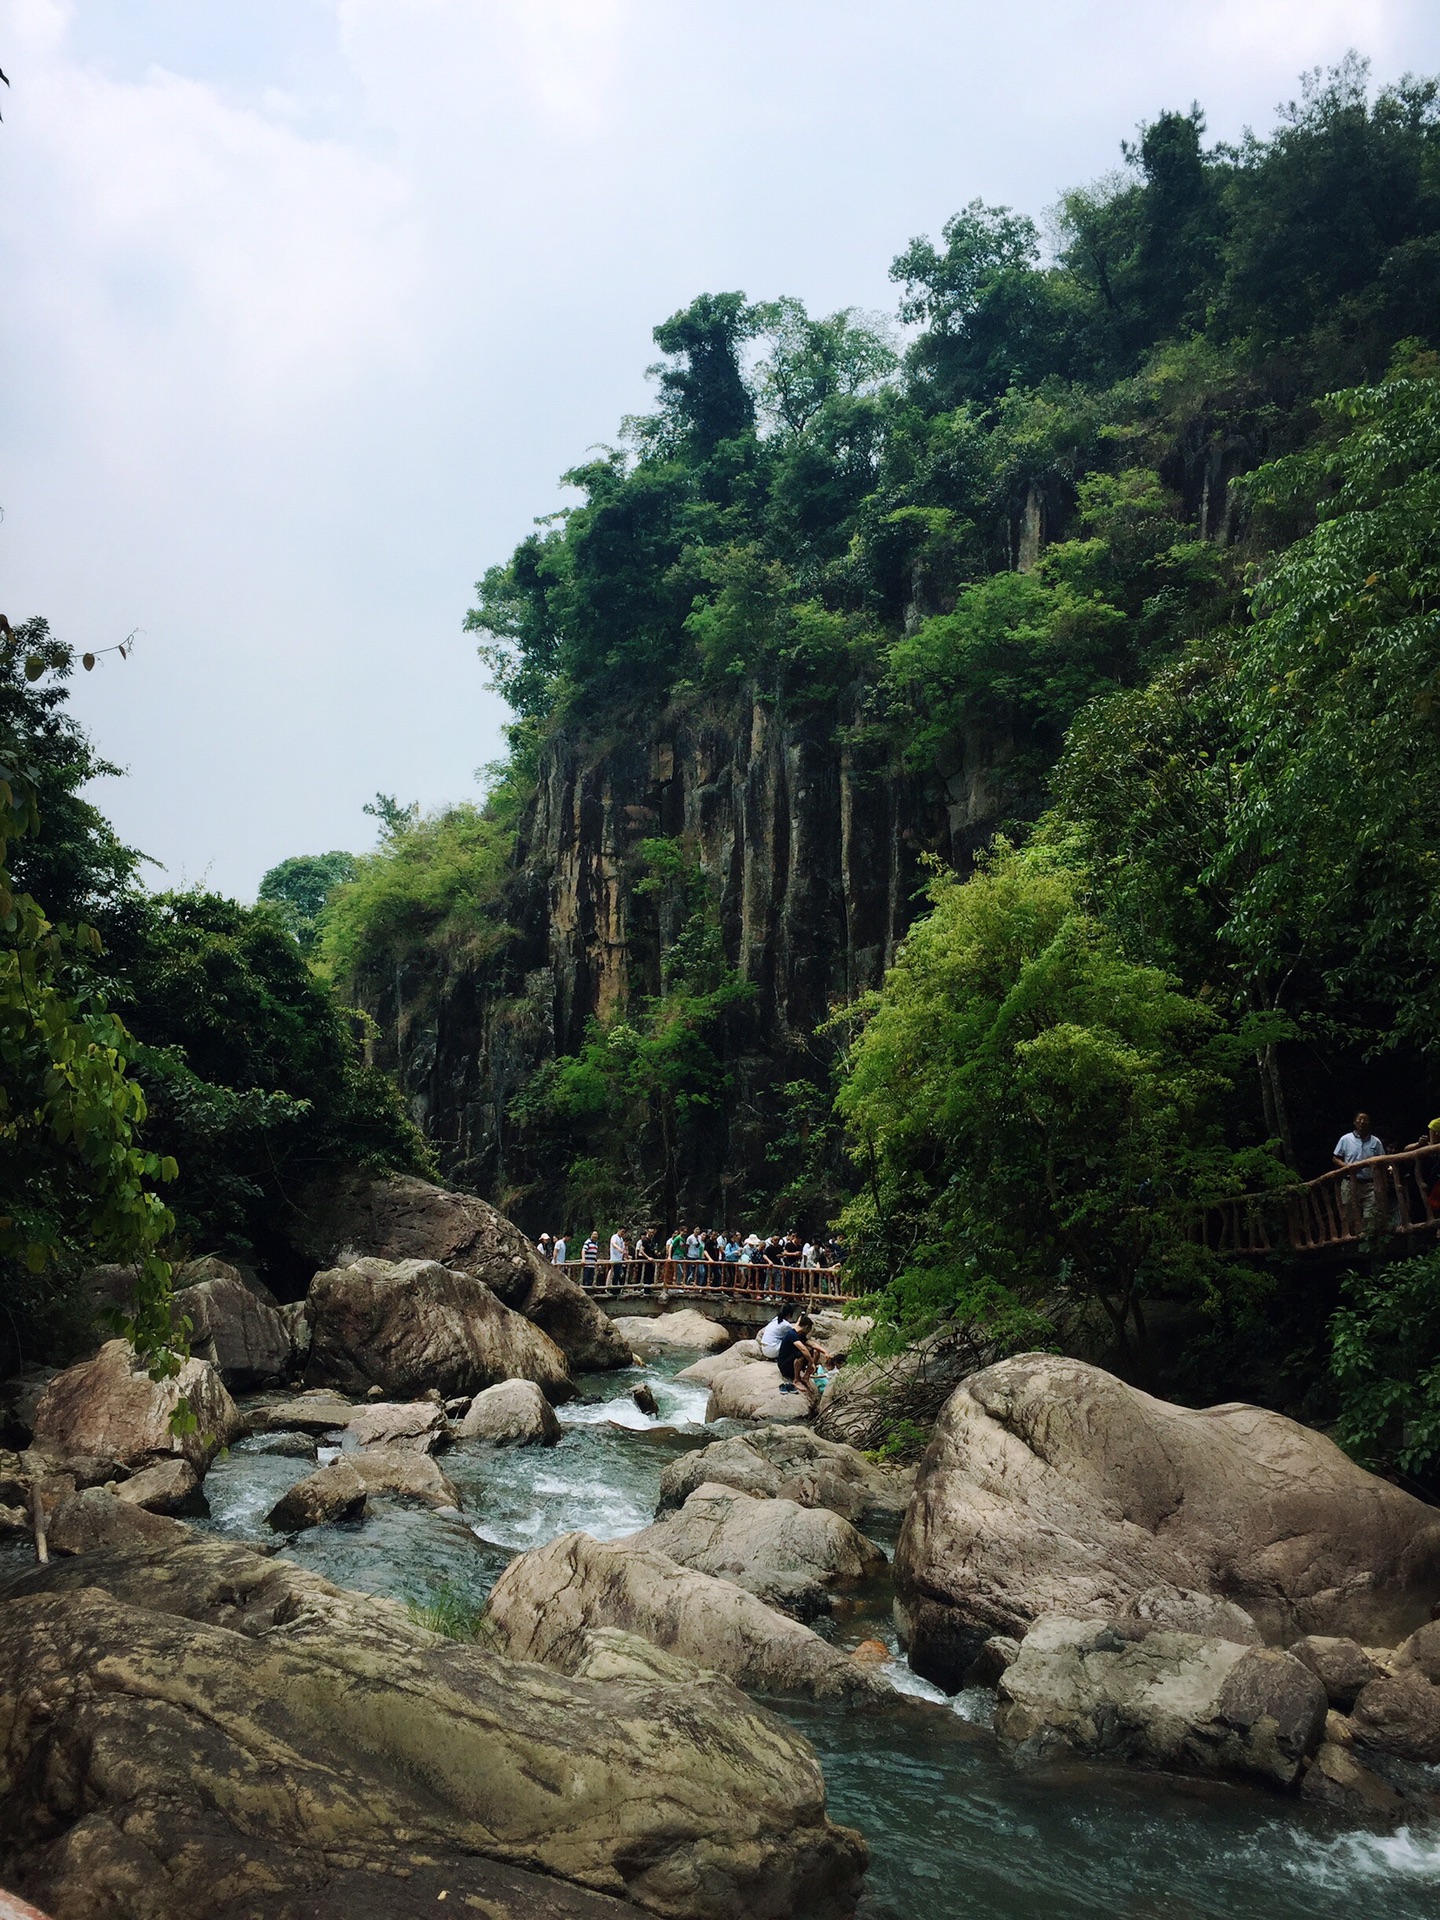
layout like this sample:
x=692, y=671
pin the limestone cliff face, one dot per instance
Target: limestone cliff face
x=812, y=847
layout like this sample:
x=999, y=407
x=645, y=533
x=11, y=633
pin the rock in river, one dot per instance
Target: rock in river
x=1052, y=1487
x=205, y=1733
x=515, y=1413
x=338, y=1492
x=792, y=1557
x=110, y=1407
x=417, y=1424
x=1172, y=1700
x=408, y=1325
x=753, y=1392
x=351, y=1216
x=546, y=1601
x=792, y=1463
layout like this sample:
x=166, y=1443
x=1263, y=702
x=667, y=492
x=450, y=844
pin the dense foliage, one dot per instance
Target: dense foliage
x=78, y=1183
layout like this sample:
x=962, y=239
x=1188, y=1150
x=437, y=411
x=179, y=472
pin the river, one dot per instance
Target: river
x=956, y=1832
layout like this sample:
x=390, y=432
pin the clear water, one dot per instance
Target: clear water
x=955, y=1832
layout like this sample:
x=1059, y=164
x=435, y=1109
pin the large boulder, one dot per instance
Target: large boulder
x=792, y=1463
x=547, y=1601
x=792, y=1557
x=895, y=1401
x=109, y=1407
x=1400, y=1714
x=515, y=1413
x=352, y=1216
x=1172, y=1700
x=685, y=1327
x=754, y=1392
x=1052, y=1487
x=205, y=1733
x=237, y=1326
x=408, y=1325
x=93, y=1519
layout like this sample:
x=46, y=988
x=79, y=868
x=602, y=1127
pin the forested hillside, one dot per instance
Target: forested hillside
x=1123, y=553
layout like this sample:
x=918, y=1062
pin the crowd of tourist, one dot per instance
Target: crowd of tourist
x=694, y=1258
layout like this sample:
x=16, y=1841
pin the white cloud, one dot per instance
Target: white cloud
x=201, y=236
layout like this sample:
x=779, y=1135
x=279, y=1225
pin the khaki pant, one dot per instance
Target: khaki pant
x=1357, y=1203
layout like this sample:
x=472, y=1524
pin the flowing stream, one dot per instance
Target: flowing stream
x=954, y=1829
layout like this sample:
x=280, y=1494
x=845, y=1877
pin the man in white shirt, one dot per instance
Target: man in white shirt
x=1357, y=1189
x=562, y=1251
x=618, y=1254
x=772, y=1334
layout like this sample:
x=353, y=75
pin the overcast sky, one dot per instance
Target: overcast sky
x=307, y=303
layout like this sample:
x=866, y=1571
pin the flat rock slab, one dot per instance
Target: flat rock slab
x=319, y=1410
x=417, y=1424
x=665, y=1332
x=209, y=1732
x=792, y=1463
x=547, y=1601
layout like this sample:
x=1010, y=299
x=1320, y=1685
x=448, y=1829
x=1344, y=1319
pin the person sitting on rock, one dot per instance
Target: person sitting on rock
x=772, y=1333
x=798, y=1358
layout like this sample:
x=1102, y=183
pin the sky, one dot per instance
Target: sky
x=308, y=303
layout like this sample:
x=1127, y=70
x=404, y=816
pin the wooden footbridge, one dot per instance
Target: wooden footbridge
x=1339, y=1212
x=656, y=1284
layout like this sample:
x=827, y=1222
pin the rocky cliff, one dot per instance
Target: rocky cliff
x=811, y=843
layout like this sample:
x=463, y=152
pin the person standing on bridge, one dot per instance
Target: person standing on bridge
x=562, y=1250
x=1357, y=1189
x=590, y=1254
x=619, y=1254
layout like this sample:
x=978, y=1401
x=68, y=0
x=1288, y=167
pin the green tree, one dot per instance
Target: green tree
x=1037, y=1118
x=300, y=887
x=77, y=1179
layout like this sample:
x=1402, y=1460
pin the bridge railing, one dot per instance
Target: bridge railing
x=1338, y=1209
x=735, y=1278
